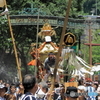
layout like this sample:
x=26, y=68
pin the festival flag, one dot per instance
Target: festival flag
x=33, y=63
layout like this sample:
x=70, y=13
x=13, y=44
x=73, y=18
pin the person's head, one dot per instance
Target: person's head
x=62, y=88
x=51, y=55
x=7, y=85
x=51, y=58
x=95, y=86
x=88, y=83
x=3, y=90
x=58, y=90
x=20, y=88
x=1, y=81
x=56, y=85
x=29, y=83
x=49, y=84
x=80, y=82
x=12, y=88
x=45, y=88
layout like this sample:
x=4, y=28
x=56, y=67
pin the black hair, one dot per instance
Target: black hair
x=96, y=85
x=51, y=53
x=80, y=82
x=29, y=82
x=56, y=85
x=12, y=85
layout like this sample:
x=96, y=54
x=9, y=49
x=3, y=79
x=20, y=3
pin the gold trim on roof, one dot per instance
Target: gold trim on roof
x=46, y=30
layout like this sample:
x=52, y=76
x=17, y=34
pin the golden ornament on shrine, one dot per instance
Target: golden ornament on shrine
x=69, y=39
x=46, y=30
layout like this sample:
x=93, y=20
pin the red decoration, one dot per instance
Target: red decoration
x=72, y=80
x=88, y=79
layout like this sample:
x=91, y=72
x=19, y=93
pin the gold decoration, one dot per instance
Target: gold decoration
x=69, y=39
x=46, y=30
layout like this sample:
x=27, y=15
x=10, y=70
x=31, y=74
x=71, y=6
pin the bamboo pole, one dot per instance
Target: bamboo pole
x=14, y=45
x=60, y=48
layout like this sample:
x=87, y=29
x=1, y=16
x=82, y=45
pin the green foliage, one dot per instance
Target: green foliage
x=95, y=49
x=4, y=35
x=30, y=69
x=91, y=5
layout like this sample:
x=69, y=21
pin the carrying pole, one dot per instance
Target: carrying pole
x=60, y=48
x=14, y=45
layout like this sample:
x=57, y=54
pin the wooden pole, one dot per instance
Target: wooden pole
x=14, y=45
x=90, y=45
x=37, y=43
x=60, y=48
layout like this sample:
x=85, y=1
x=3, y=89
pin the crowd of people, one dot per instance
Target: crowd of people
x=29, y=89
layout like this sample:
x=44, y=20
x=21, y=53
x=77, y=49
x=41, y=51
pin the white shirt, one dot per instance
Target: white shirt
x=39, y=93
x=81, y=87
